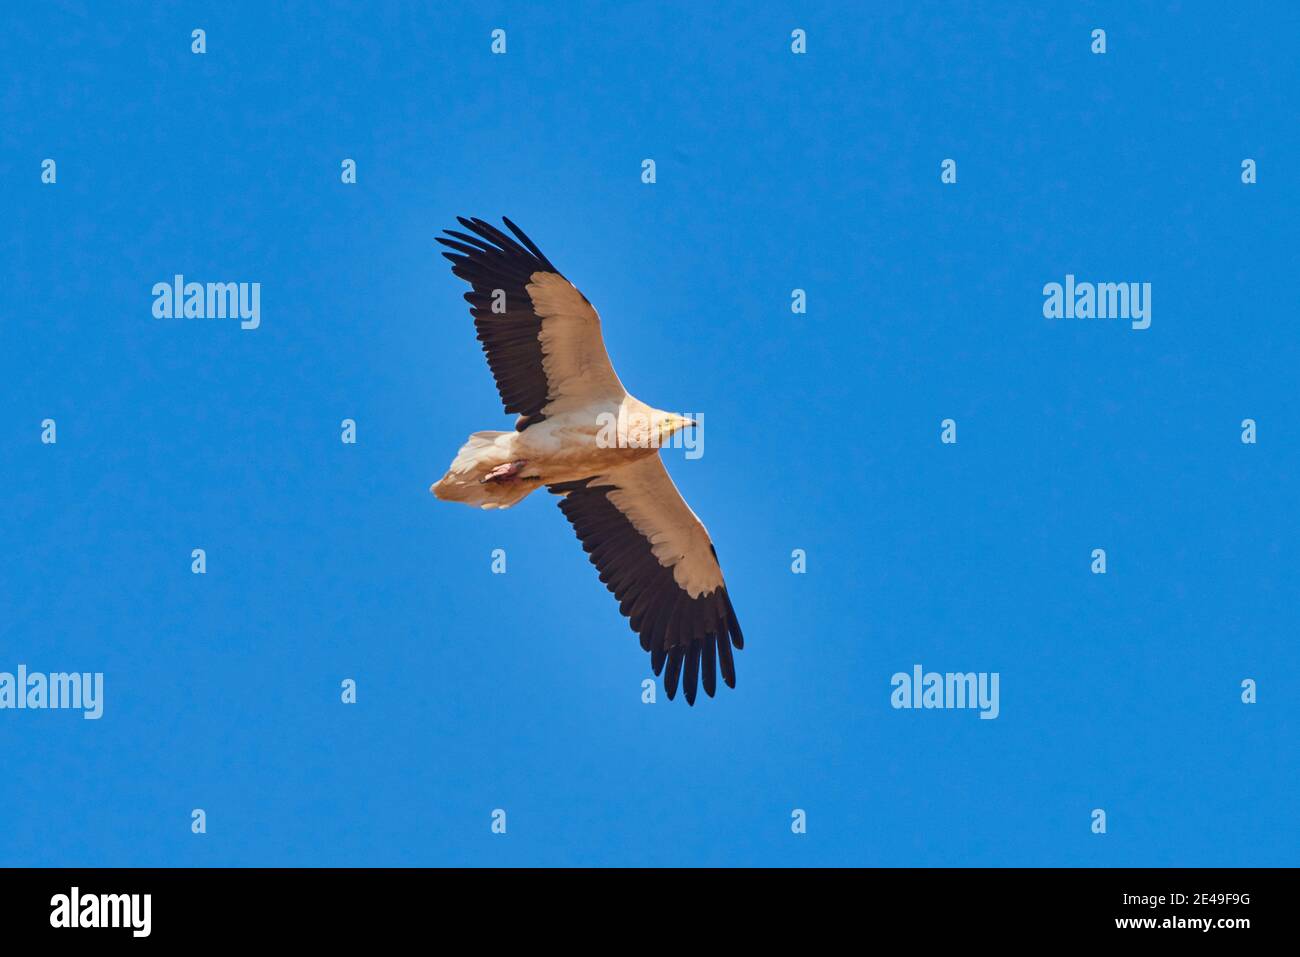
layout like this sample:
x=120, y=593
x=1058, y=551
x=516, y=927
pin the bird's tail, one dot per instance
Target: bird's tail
x=477, y=457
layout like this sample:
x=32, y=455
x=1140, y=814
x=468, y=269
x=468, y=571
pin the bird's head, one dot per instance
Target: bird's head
x=669, y=423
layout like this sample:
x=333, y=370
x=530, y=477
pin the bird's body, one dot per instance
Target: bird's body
x=583, y=437
x=568, y=447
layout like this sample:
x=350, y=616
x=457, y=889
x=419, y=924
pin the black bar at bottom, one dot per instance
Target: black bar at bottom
x=365, y=905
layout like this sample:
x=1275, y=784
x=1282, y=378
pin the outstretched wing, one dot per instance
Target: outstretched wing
x=541, y=335
x=657, y=559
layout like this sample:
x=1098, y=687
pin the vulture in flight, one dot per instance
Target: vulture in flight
x=596, y=448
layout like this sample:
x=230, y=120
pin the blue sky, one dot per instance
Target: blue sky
x=775, y=171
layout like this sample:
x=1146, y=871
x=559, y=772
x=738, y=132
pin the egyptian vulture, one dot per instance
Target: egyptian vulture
x=594, y=446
